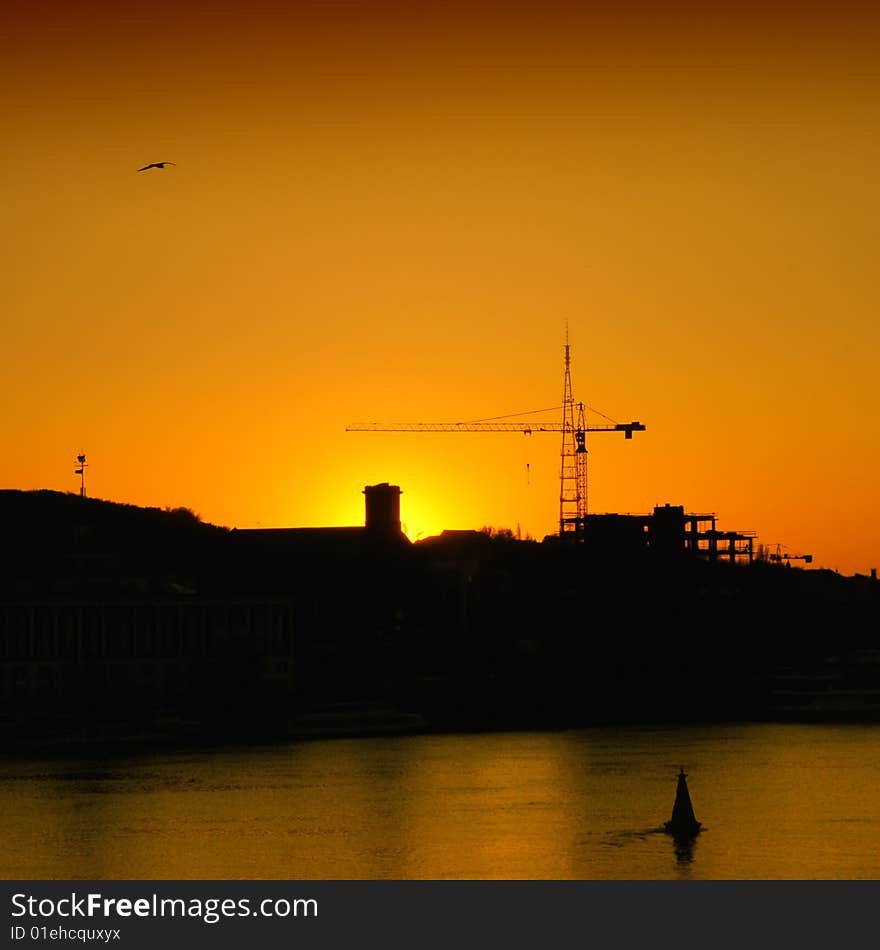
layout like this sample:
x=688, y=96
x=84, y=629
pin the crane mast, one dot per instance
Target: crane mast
x=573, y=459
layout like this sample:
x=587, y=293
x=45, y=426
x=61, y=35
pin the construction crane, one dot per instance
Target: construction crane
x=780, y=556
x=573, y=455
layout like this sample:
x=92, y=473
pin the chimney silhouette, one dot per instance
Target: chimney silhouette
x=383, y=509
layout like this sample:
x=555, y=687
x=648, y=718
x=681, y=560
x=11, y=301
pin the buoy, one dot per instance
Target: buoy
x=683, y=823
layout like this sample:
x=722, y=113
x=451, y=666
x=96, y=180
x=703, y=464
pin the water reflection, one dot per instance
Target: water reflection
x=582, y=804
x=685, y=847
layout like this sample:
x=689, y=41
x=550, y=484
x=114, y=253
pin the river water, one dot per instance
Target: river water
x=778, y=802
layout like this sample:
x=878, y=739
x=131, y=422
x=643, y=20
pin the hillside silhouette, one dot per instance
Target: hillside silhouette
x=61, y=541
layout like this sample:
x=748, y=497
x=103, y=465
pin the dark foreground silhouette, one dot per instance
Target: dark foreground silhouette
x=119, y=621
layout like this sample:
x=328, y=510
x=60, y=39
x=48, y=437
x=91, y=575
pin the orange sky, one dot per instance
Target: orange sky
x=388, y=211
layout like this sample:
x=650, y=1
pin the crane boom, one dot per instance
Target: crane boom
x=527, y=428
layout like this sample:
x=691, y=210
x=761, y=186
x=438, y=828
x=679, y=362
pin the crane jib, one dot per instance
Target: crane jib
x=626, y=427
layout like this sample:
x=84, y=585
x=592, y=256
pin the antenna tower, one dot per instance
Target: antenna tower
x=81, y=471
x=573, y=459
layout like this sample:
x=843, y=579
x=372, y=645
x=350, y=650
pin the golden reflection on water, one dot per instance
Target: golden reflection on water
x=778, y=802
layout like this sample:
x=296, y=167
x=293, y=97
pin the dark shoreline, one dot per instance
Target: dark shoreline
x=135, y=740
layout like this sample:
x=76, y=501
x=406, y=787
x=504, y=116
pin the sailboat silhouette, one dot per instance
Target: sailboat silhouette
x=683, y=823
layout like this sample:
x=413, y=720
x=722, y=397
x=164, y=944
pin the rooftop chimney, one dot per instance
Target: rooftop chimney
x=383, y=509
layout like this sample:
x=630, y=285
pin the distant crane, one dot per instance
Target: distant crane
x=573, y=455
x=779, y=556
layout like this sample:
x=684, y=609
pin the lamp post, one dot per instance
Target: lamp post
x=81, y=471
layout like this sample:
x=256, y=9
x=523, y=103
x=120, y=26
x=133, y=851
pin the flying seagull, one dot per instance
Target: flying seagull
x=156, y=165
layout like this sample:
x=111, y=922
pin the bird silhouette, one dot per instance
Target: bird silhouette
x=156, y=165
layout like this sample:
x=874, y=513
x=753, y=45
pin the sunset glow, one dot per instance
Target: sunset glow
x=391, y=212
